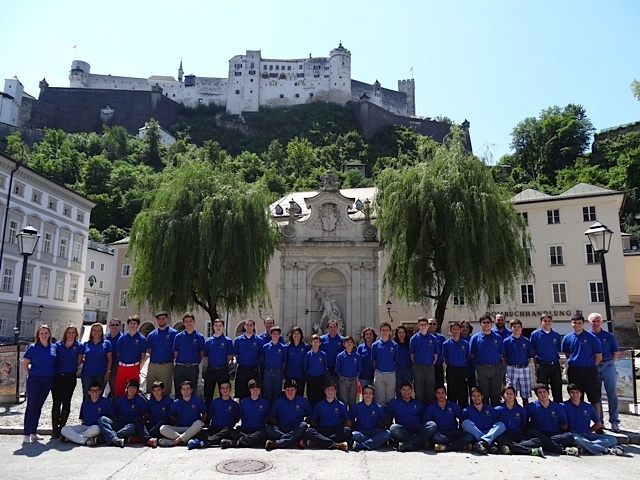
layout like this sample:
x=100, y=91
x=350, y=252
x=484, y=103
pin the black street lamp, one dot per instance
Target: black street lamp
x=27, y=241
x=600, y=237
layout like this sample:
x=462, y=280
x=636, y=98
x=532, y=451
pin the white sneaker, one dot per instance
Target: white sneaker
x=165, y=442
x=27, y=440
x=36, y=438
x=616, y=451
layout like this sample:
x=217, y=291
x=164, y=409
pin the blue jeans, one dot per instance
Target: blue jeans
x=413, y=436
x=489, y=436
x=455, y=440
x=607, y=374
x=372, y=439
x=273, y=384
x=38, y=389
x=594, y=443
x=112, y=429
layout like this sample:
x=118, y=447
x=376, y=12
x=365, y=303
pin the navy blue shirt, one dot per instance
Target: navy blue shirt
x=441, y=339
x=609, y=344
x=348, y=364
x=424, y=348
x=185, y=412
x=330, y=414
x=90, y=411
x=366, y=362
x=367, y=417
x=445, y=418
x=488, y=349
x=517, y=350
x=217, y=350
x=159, y=410
x=290, y=413
x=95, y=358
x=580, y=416
x=456, y=354
x=315, y=364
x=189, y=346
x=224, y=413
x=131, y=347
x=160, y=344
x=265, y=337
x=67, y=358
x=332, y=347
x=514, y=419
x=42, y=359
x=548, y=420
x=385, y=355
x=581, y=349
x=248, y=350
x=128, y=409
x=483, y=419
x=546, y=346
x=254, y=413
x=294, y=367
x=274, y=355
x=405, y=413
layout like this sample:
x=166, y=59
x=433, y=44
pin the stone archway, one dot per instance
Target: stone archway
x=146, y=328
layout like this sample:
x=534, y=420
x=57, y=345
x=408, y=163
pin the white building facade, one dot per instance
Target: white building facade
x=98, y=282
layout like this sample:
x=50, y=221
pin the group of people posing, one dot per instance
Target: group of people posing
x=404, y=400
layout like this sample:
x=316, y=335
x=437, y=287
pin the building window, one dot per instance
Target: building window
x=76, y=251
x=311, y=95
x=18, y=190
x=44, y=285
x=13, y=232
x=92, y=264
x=264, y=67
x=458, y=298
x=62, y=251
x=66, y=210
x=237, y=92
x=35, y=197
x=497, y=300
x=123, y=298
x=99, y=302
x=7, y=279
x=277, y=67
x=527, y=294
x=281, y=95
x=52, y=204
x=87, y=301
x=559, y=292
x=270, y=67
x=80, y=217
x=3, y=321
x=525, y=217
x=589, y=214
x=238, y=74
x=28, y=276
x=73, y=291
x=102, y=267
x=297, y=95
x=592, y=257
x=126, y=270
x=101, y=284
x=553, y=216
x=596, y=292
x=555, y=255
x=59, y=293
x=46, y=246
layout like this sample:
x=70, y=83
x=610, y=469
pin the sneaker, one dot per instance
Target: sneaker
x=344, y=446
x=152, y=442
x=493, y=448
x=439, y=447
x=402, y=447
x=617, y=450
x=357, y=446
x=537, y=452
x=480, y=448
x=195, y=443
x=91, y=442
x=226, y=443
x=133, y=439
x=573, y=451
x=270, y=445
x=165, y=442
x=118, y=442
x=36, y=438
x=27, y=440
x=615, y=428
x=505, y=450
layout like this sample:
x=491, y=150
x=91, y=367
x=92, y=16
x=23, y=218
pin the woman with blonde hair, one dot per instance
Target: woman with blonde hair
x=69, y=353
x=39, y=365
x=98, y=357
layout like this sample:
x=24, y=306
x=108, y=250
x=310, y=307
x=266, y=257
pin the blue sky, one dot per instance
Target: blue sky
x=491, y=62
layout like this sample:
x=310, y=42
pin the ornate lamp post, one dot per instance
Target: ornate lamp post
x=27, y=241
x=600, y=237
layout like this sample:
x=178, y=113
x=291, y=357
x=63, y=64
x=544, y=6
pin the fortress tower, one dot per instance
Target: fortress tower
x=180, y=72
x=340, y=75
x=409, y=87
x=79, y=74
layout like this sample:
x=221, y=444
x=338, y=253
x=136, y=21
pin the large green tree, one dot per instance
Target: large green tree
x=205, y=240
x=446, y=228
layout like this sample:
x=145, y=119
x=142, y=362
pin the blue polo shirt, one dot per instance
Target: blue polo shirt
x=405, y=413
x=517, y=350
x=114, y=345
x=265, y=337
x=404, y=356
x=547, y=420
x=189, y=346
x=90, y=411
x=514, y=419
x=67, y=358
x=294, y=367
x=609, y=344
x=159, y=410
x=385, y=355
x=504, y=333
x=366, y=362
x=483, y=419
x=367, y=417
x=42, y=359
x=128, y=409
x=546, y=346
x=580, y=416
x=248, y=350
x=445, y=418
x=581, y=349
x=330, y=414
x=290, y=413
x=160, y=344
x=95, y=358
x=254, y=413
x=217, y=350
x=348, y=364
x=488, y=349
x=441, y=339
x=424, y=347
x=456, y=354
x=274, y=356
x=185, y=412
x=315, y=363
x=131, y=347
x=332, y=347
x=224, y=413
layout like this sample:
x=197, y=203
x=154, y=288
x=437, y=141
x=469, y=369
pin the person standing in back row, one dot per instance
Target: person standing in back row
x=160, y=350
x=545, y=348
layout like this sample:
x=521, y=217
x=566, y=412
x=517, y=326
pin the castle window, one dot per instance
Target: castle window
x=265, y=67
x=288, y=67
x=295, y=84
x=270, y=67
x=311, y=95
x=300, y=67
x=238, y=74
x=297, y=95
x=317, y=75
x=252, y=72
x=251, y=80
x=273, y=75
x=283, y=76
x=277, y=67
x=326, y=76
x=281, y=95
x=301, y=75
x=316, y=67
x=265, y=75
x=237, y=92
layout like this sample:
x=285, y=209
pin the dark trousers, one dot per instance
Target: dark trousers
x=457, y=385
x=154, y=428
x=439, y=370
x=63, y=386
x=327, y=437
x=287, y=437
x=217, y=433
x=454, y=440
x=315, y=388
x=214, y=376
x=518, y=443
x=550, y=374
x=249, y=438
x=38, y=389
x=553, y=443
x=244, y=373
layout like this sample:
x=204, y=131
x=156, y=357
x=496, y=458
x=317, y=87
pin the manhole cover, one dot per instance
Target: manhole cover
x=243, y=467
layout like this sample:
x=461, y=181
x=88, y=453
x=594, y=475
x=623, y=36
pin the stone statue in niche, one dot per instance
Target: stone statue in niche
x=329, y=310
